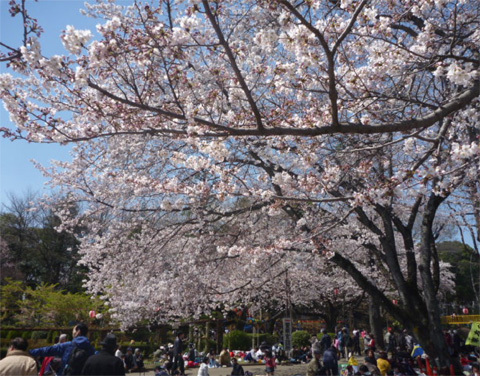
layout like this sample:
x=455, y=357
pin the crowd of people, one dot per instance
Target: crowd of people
x=75, y=357
x=399, y=356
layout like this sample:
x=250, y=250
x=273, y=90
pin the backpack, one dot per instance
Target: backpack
x=76, y=361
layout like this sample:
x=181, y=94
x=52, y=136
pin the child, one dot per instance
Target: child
x=269, y=363
x=203, y=370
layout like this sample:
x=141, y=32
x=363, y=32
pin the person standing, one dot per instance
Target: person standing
x=18, y=361
x=390, y=341
x=348, y=343
x=371, y=344
x=326, y=341
x=105, y=362
x=178, y=362
x=356, y=343
x=270, y=363
x=330, y=361
x=79, y=349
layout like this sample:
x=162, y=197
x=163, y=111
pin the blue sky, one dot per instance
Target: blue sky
x=17, y=172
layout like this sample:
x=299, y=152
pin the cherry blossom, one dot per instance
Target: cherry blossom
x=220, y=144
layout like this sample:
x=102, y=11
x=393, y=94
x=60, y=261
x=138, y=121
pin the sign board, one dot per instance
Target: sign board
x=473, y=338
x=287, y=334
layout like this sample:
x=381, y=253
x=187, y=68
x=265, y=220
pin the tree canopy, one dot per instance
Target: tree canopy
x=213, y=131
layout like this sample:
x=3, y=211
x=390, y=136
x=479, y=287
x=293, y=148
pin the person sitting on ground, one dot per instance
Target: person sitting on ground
x=213, y=360
x=139, y=359
x=250, y=356
x=130, y=364
x=105, y=362
x=18, y=361
x=294, y=355
x=383, y=364
x=225, y=360
x=363, y=370
x=370, y=358
x=237, y=368
x=203, y=370
x=371, y=363
x=161, y=371
x=475, y=369
x=259, y=354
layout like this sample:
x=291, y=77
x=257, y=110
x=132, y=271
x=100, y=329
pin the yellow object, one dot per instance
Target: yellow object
x=352, y=361
x=473, y=338
x=460, y=319
x=384, y=366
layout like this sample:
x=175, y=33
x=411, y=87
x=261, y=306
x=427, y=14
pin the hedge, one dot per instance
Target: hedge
x=301, y=338
x=237, y=340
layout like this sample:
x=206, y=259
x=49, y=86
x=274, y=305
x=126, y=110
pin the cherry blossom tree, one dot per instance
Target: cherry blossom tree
x=30, y=29
x=211, y=133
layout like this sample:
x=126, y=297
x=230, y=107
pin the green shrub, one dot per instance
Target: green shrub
x=3, y=333
x=237, y=340
x=320, y=335
x=26, y=335
x=12, y=334
x=50, y=337
x=301, y=338
x=207, y=344
x=39, y=334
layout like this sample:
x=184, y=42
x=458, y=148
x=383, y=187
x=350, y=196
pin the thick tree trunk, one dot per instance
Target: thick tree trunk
x=431, y=336
x=376, y=322
x=330, y=317
x=206, y=349
x=220, y=331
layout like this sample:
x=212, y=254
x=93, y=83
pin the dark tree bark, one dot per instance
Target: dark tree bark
x=376, y=322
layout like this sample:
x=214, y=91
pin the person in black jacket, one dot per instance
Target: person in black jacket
x=326, y=341
x=105, y=362
x=178, y=363
x=237, y=368
x=330, y=361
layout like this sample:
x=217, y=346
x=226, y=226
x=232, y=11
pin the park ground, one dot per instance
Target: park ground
x=256, y=369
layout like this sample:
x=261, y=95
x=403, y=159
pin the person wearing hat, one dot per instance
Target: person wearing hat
x=105, y=362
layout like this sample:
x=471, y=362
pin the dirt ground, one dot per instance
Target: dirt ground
x=256, y=369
